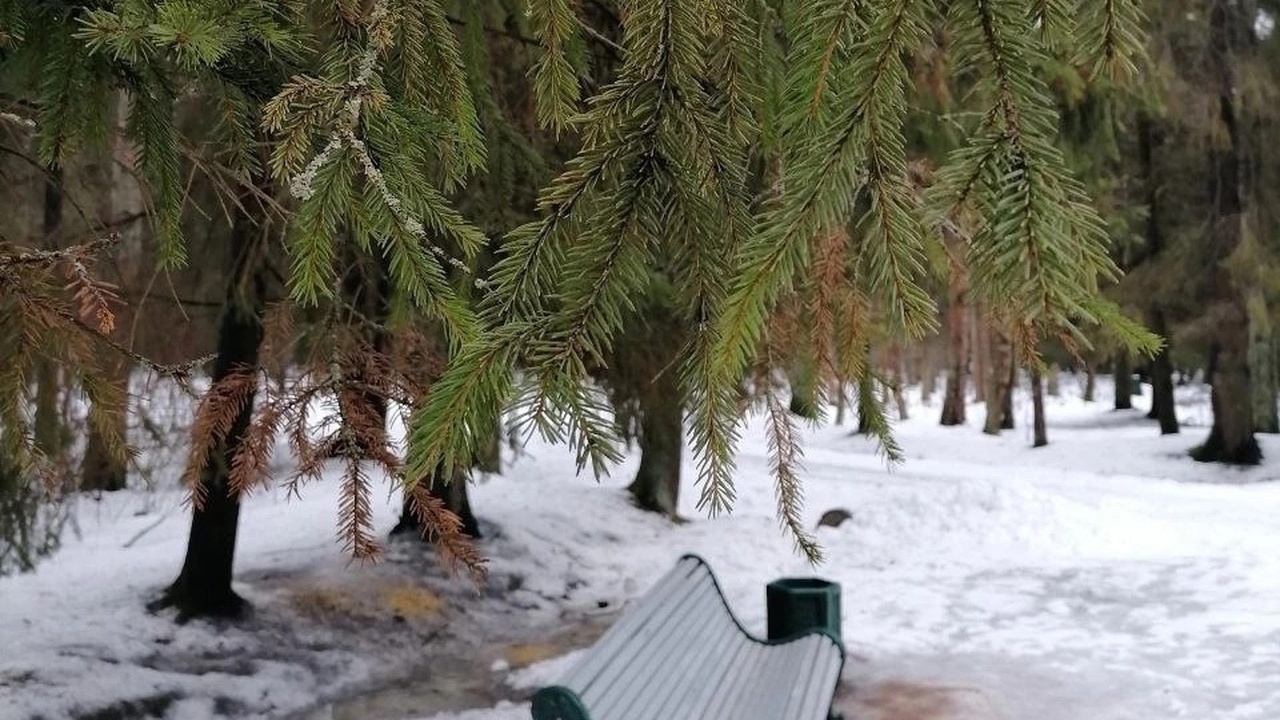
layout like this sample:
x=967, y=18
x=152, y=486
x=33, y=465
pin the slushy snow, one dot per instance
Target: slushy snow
x=1104, y=577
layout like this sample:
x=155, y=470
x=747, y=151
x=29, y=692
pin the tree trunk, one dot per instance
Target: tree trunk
x=366, y=294
x=1006, y=396
x=489, y=455
x=804, y=393
x=1123, y=371
x=1231, y=438
x=981, y=343
x=928, y=372
x=897, y=378
x=1162, y=405
x=657, y=483
x=1054, y=388
x=203, y=587
x=1040, y=435
x=1090, y=383
x=1150, y=140
x=50, y=433
x=997, y=381
x=1262, y=365
x=864, y=424
x=456, y=500
x=954, y=396
x=842, y=403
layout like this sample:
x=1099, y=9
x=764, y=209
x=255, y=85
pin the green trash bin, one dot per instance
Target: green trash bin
x=795, y=605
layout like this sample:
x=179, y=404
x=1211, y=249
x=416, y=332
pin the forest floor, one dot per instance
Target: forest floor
x=1104, y=577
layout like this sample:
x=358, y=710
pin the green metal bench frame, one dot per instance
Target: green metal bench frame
x=679, y=653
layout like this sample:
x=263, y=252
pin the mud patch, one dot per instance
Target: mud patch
x=464, y=677
x=903, y=700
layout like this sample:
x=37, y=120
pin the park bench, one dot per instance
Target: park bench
x=680, y=654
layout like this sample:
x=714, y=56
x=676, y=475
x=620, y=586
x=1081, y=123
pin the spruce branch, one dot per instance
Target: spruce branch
x=555, y=81
x=784, y=462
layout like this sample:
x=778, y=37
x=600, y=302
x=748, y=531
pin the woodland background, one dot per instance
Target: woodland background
x=316, y=214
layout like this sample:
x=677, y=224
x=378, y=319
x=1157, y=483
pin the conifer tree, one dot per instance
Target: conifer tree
x=663, y=174
x=751, y=156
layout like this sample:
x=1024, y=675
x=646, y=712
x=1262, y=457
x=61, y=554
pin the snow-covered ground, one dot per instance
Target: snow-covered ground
x=1104, y=577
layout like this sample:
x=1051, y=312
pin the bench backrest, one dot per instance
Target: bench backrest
x=679, y=654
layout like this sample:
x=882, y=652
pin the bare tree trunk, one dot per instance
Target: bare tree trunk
x=1231, y=440
x=1150, y=140
x=928, y=372
x=897, y=378
x=50, y=433
x=1006, y=396
x=1162, y=405
x=101, y=468
x=1090, y=383
x=1040, y=435
x=203, y=587
x=1262, y=365
x=1054, y=388
x=1123, y=371
x=998, y=385
x=657, y=483
x=954, y=396
x=981, y=343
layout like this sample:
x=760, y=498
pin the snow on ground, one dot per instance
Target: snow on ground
x=1105, y=577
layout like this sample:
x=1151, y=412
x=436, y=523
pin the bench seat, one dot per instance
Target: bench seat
x=680, y=654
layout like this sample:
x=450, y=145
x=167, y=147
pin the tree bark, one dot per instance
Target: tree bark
x=1006, y=396
x=203, y=587
x=50, y=433
x=1231, y=438
x=1123, y=372
x=1262, y=365
x=1054, y=386
x=981, y=343
x=657, y=483
x=1163, y=408
x=1150, y=140
x=954, y=396
x=897, y=378
x=1090, y=384
x=928, y=372
x=1040, y=435
x=997, y=380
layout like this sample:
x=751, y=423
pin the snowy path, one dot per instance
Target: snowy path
x=1105, y=577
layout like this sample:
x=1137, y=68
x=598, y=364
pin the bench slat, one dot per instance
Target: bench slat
x=700, y=671
x=810, y=653
x=660, y=662
x=822, y=687
x=642, y=656
x=749, y=656
x=631, y=621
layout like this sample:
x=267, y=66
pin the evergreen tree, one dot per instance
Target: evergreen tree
x=663, y=174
